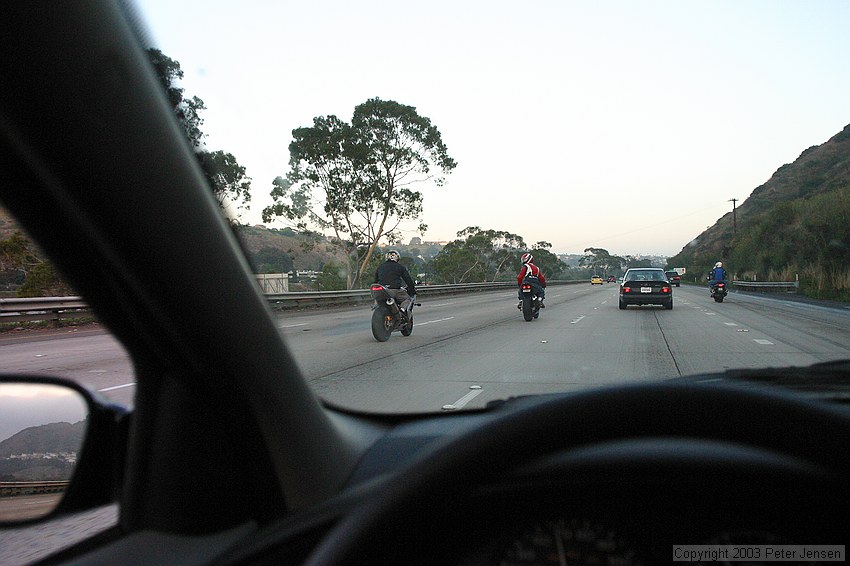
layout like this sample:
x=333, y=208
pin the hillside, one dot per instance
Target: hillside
x=794, y=220
x=49, y=438
x=267, y=246
x=269, y=249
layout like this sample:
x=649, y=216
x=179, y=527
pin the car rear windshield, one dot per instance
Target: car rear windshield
x=648, y=275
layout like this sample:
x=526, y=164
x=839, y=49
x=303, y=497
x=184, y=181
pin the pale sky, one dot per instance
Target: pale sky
x=631, y=123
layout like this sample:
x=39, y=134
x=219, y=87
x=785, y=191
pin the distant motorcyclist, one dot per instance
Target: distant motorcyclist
x=716, y=275
x=530, y=273
x=391, y=274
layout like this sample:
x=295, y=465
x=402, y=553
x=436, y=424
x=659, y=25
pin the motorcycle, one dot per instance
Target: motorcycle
x=718, y=291
x=387, y=317
x=530, y=303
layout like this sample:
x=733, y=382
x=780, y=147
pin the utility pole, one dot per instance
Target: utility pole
x=734, y=217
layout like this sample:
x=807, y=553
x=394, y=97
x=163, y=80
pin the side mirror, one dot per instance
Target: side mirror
x=61, y=448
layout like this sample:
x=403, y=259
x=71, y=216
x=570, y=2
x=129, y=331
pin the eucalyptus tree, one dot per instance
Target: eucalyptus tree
x=479, y=255
x=358, y=181
x=230, y=184
x=600, y=260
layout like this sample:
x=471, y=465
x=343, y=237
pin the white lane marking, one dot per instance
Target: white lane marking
x=118, y=387
x=730, y=324
x=430, y=321
x=762, y=341
x=97, y=371
x=576, y=321
x=603, y=302
x=440, y=304
x=710, y=313
x=460, y=403
x=558, y=295
x=292, y=325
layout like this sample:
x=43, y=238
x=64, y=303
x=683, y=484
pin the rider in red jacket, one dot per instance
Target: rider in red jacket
x=530, y=273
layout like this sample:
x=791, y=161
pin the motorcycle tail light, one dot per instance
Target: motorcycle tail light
x=376, y=287
x=526, y=287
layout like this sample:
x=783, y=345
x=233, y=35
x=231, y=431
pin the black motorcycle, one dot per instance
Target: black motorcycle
x=530, y=302
x=718, y=291
x=387, y=317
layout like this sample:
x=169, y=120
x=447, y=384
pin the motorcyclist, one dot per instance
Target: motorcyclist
x=716, y=275
x=530, y=273
x=391, y=274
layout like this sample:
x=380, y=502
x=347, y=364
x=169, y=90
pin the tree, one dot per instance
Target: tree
x=600, y=261
x=355, y=180
x=18, y=254
x=269, y=259
x=332, y=277
x=229, y=183
x=225, y=177
x=551, y=266
x=479, y=255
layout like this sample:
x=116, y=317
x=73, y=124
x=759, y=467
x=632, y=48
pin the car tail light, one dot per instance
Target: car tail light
x=627, y=289
x=665, y=289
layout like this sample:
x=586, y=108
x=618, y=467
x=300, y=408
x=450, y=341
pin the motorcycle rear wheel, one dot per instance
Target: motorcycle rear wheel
x=382, y=324
x=527, y=309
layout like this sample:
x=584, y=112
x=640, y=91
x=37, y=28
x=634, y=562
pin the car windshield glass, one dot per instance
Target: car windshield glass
x=450, y=151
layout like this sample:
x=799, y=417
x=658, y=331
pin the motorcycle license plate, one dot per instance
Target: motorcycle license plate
x=646, y=289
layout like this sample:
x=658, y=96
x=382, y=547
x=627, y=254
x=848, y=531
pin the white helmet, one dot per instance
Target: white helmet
x=392, y=255
x=718, y=264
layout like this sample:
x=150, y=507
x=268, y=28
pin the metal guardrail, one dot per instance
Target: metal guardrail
x=787, y=286
x=12, y=488
x=42, y=308
x=55, y=308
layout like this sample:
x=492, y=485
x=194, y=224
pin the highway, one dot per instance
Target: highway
x=465, y=351
x=480, y=340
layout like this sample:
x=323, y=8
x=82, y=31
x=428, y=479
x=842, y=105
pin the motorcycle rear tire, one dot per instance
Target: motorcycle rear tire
x=718, y=298
x=382, y=323
x=527, y=309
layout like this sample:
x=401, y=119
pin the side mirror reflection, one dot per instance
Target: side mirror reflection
x=42, y=430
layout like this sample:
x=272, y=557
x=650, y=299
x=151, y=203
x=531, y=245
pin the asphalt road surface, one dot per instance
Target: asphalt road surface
x=467, y=350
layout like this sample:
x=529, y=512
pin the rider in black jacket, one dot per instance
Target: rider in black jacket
x=392, y=274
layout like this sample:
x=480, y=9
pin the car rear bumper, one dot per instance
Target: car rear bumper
x=646, y=299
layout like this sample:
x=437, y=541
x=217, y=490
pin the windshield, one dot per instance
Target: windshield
x=462, y=136
x=487, y=131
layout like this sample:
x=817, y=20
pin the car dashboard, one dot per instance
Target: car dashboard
x=429, y=493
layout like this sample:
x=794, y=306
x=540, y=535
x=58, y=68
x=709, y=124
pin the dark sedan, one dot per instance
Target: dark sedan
x=646, y=286
x=674, y=278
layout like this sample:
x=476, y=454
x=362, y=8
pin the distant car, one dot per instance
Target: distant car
x=674, y=278
x=646, y=286
x=611, y=279
x=596, y=279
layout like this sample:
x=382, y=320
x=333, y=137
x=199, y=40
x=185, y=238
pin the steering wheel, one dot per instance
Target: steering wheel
x=747, y=416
